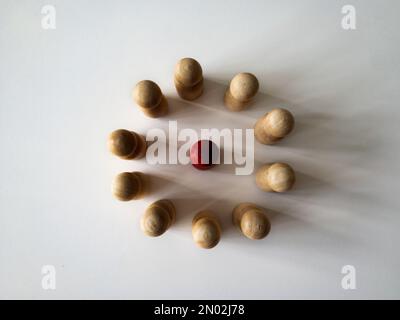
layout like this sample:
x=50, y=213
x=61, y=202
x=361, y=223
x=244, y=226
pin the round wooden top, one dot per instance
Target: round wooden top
x=244, y=86
x=279, y=122
x=188, y=72
x=147, y=94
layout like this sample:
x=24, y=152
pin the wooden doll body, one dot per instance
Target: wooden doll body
x=274, y=126
x=158, y=217
x=251, y=220
x=206, y=230
x=150, y=100
x=241, y=91
x=275, y=177
x=127, y=144
x=130, y=186
x=188, y=79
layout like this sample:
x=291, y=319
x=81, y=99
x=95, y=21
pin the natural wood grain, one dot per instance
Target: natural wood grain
x=130, y=186
x=275, y=177
x=150, y=100
x=251, y=220
x=241, y=91
x=158, y=217
x=127, y=144
x=188, y=79
x=206, y=230
x=274, y=126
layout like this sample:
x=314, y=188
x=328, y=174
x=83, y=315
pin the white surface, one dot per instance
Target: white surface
x=62, y=91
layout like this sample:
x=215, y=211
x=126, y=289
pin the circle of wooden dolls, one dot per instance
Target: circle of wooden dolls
x=250, y=219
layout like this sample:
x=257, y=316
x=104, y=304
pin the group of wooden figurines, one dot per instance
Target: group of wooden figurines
x=206, y=229
x=189, y=83
x=269, y=129
x=160, y=215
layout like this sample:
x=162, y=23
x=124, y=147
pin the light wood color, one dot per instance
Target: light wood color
x=130, y=186
x=206, y=230
x=274, y=126
x=150, y=100
x=127, y=144
x=188, y=79
x=190, y=93
x=251, y=220
x=275, y=177
x=158, y=217
x=241, y=91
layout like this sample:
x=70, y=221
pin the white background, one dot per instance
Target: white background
x=63, y=91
